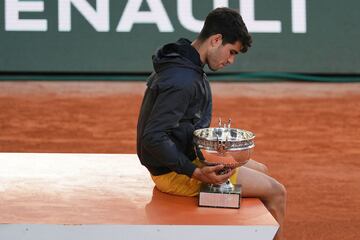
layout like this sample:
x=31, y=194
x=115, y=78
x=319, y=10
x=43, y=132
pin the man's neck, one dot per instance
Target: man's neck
x=200, y=47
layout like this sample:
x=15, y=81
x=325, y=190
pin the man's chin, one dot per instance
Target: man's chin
x=215, y=69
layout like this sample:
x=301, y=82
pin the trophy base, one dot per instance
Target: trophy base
x=211, y=196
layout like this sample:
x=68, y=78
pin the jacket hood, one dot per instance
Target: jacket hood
x=180, y=53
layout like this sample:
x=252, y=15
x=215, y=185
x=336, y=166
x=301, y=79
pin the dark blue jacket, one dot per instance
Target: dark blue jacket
x=177, y=101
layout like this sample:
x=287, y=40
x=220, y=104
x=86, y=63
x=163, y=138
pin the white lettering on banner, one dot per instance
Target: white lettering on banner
x=132, y=15
x=186, y=18
x=12, y=16
x=247, y=10
x=221, y=3
x=298, y=16
x=98, y=18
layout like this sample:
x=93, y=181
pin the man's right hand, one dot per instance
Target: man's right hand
x=209, y=174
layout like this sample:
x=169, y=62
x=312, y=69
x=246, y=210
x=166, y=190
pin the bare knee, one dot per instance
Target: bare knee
x=278, y=192
x=282, y=190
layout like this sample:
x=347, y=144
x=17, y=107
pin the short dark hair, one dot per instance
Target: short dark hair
x=229, y=24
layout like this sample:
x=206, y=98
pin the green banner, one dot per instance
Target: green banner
x=116, y=36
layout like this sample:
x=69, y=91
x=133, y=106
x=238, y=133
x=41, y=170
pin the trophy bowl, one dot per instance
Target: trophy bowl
x=230, y=147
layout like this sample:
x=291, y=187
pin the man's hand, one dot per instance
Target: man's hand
x=209, y=174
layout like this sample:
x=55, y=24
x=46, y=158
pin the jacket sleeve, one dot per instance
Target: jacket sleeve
x=168, y=110
x=207, y=110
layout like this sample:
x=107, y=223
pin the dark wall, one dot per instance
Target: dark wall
x=300, y=36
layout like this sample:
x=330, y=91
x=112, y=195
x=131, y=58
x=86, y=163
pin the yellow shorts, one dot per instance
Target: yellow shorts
x=182, y=185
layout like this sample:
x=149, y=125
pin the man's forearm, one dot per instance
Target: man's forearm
x=208, y=174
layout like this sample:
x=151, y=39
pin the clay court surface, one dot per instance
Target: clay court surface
x=308, y=134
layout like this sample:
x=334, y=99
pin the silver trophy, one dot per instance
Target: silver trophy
x=230, y=147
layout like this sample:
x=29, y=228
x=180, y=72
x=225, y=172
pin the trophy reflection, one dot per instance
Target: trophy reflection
x=230, y=147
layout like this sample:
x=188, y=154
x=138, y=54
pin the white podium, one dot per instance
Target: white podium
x=56, y=196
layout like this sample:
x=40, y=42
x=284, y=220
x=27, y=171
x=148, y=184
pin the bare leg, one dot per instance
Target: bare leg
x=257, y=166
x=271, y=192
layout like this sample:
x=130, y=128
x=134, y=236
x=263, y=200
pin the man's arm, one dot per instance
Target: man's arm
x=208, y=174
x=167, y=111
x=206, y=117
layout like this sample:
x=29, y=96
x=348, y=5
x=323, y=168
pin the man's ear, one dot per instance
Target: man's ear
x=216, y=40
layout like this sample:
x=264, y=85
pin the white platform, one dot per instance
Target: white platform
x=109, y=196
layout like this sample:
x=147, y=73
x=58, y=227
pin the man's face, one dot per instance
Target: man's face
x=221, y=55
